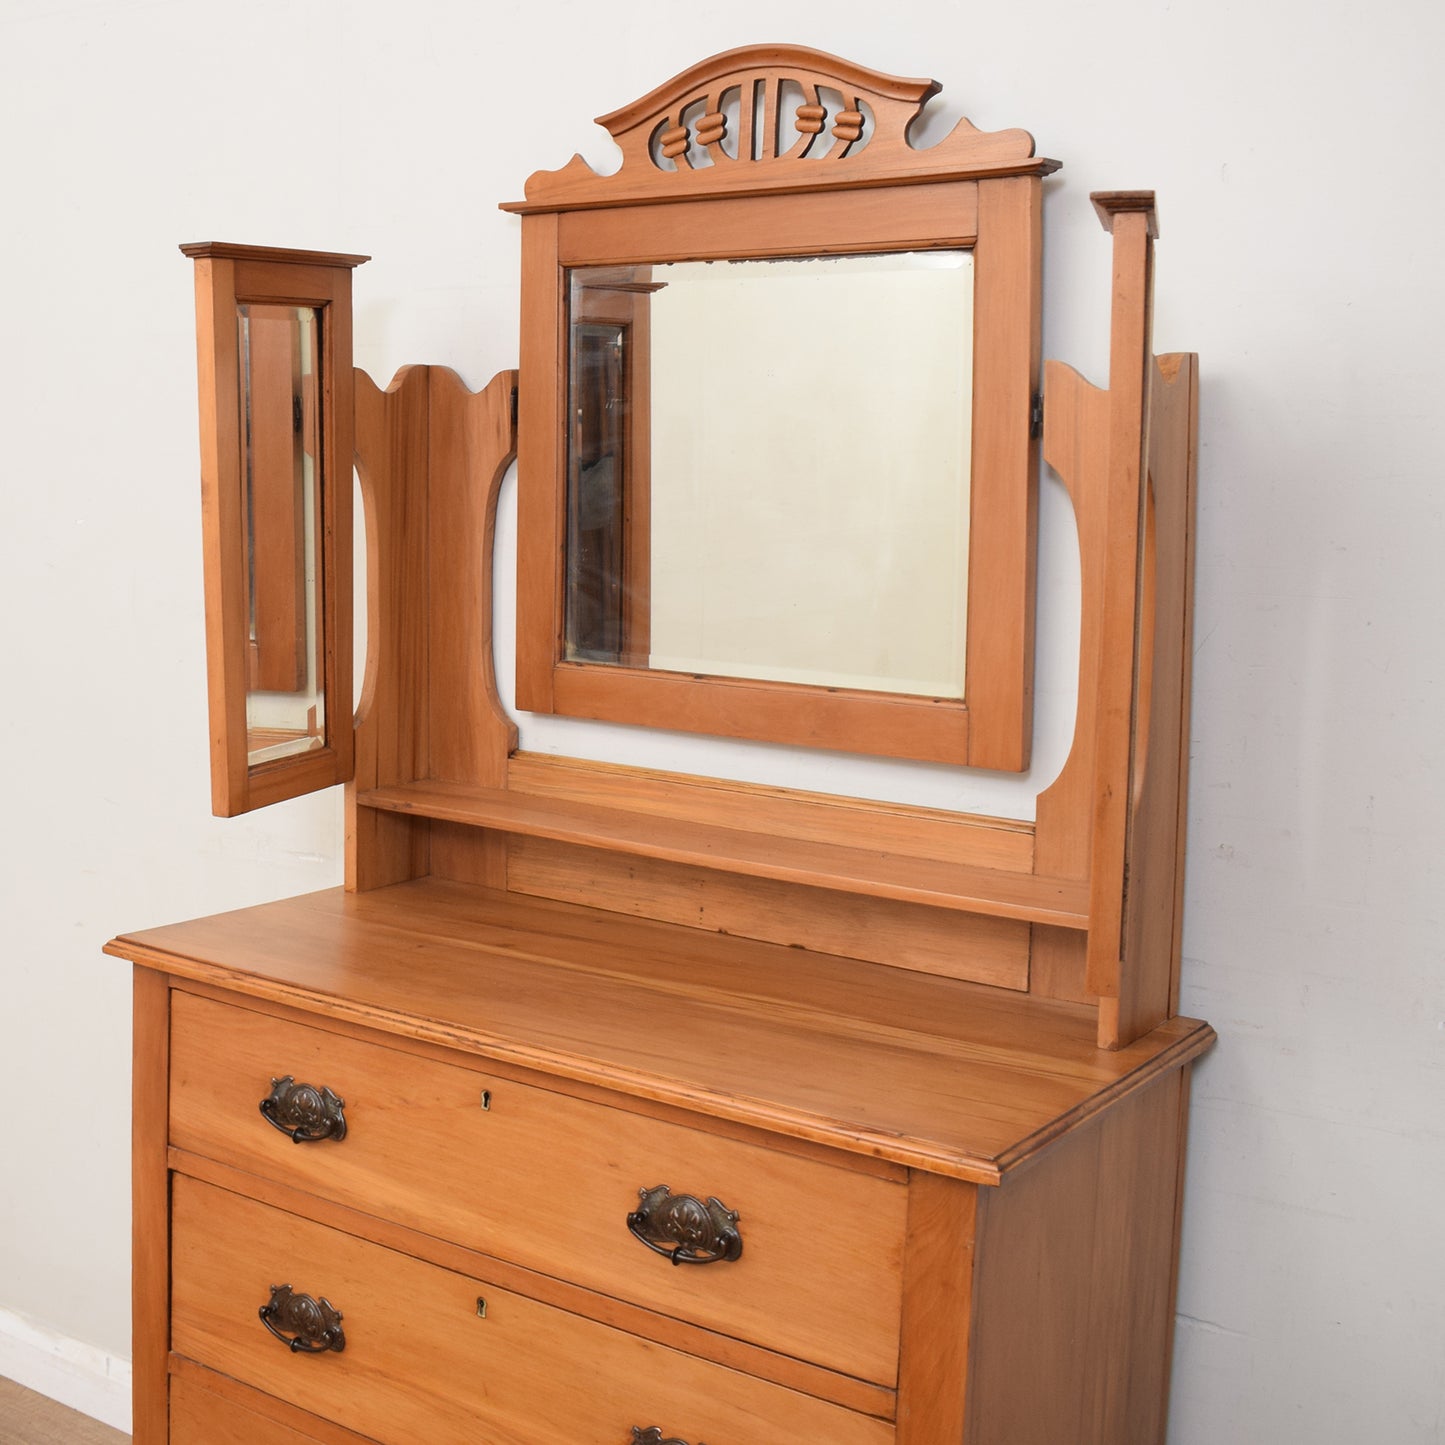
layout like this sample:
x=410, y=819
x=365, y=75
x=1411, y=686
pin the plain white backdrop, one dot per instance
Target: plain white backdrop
x=1294, y=148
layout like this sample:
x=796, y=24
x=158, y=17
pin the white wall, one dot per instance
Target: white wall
x=1293, y=146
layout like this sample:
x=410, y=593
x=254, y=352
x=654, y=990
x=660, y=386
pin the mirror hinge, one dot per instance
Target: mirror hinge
x=514, y=407
x=1036, y=416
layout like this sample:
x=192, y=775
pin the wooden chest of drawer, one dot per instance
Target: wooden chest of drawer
x=490, y=1365
x=964, y=1237
x=548, y=1181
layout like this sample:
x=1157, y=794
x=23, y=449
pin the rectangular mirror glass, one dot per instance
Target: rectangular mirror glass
x=277, y=355
x=768, y=469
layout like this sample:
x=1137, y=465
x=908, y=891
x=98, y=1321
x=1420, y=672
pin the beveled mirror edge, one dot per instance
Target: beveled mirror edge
x=226, y=273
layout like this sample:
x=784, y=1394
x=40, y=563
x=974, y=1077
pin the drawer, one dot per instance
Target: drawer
x=547, y=1181
x=199, y=1416
x=425, y=1359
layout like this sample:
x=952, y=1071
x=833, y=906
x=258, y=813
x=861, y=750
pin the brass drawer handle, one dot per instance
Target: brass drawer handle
x=684, y=1229
x=315, y=1325
x=653, y=1436
x=304, y=1113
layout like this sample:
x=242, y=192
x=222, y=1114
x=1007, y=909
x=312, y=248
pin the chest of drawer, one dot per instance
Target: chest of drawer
x=490, y=1364
x=550, y=1182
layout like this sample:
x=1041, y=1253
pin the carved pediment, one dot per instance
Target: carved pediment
x=776, y=117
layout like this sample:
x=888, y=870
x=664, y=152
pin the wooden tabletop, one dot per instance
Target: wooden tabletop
x=950, y=1077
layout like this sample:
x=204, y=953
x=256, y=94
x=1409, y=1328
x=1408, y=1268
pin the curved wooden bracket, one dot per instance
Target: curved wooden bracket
x=431, y=456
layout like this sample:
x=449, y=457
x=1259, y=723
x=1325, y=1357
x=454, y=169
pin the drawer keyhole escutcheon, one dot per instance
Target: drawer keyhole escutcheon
x=486, y=1099
x=307, y=1326
x=304, y=1113
x=481, y=1308
x=685, y=1229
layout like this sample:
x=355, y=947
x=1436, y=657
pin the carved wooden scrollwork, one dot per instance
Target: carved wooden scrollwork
x=759, y=111
x=743, y=120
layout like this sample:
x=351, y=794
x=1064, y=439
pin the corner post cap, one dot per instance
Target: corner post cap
x=1112, y=204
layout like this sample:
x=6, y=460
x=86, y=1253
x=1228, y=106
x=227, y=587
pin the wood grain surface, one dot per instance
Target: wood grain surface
x=28, y=1418
x=420, y=1149
x=951, y=1077
x=486, y=1370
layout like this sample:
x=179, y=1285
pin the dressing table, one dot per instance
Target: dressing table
x=611, y=1106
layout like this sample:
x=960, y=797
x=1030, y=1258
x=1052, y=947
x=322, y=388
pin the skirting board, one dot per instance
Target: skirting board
x=83, y=1377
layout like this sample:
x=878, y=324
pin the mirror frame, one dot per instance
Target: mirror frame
x=867, y=192
x=226, y=276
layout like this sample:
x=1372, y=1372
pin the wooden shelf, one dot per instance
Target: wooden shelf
x=995, y=892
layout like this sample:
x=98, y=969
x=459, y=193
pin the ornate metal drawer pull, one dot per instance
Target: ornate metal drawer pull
x=315, y=1324
x=653, y=1436
x=685, y=1229
x=303, y=1112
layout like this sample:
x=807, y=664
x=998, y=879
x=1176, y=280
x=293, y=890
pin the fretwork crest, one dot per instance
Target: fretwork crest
x=764, y=117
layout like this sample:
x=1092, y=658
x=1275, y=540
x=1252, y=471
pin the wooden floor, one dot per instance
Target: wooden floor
x=30, y=1419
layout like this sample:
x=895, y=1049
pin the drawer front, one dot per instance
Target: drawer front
x=548, y=1181
x=423, y=1359
x=199, y=1416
